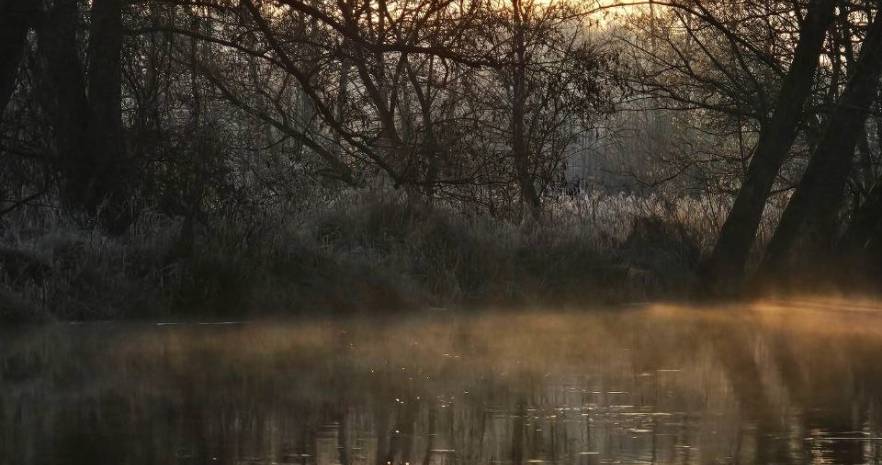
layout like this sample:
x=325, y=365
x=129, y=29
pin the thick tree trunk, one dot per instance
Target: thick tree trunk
x=519, y=145
x=112, y=174
x=812, y=211
x=15, y=19
x=725, y=268
x=67, y=105
x=88, y=127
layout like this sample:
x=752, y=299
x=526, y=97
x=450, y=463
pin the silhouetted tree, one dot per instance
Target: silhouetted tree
x=726, y=265
x=813, y=210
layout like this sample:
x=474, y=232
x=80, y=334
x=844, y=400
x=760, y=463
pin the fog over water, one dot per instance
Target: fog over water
x=796, y=382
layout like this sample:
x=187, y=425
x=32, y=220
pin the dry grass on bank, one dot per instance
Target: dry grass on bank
x=353, y=254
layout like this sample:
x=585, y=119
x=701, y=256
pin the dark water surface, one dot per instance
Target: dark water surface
x=769, y=383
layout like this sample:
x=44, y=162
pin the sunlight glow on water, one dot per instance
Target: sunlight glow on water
x=778, y=382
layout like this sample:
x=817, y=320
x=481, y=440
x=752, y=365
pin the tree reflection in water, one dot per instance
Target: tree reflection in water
x=795, y=383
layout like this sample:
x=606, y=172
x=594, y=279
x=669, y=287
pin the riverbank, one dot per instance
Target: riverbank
x=356, y=254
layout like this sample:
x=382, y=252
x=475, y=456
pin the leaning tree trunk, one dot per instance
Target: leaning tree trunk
x=15, y=18
x=725, y=268
x=812, y=211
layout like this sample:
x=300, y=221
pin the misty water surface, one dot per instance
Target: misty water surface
x=796, y=383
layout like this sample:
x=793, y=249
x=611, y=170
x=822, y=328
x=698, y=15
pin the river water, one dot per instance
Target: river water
x=773, y=382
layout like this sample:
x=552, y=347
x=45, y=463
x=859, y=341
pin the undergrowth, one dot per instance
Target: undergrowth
x=354, y=254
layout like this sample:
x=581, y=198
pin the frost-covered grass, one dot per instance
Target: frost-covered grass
x=356, y=252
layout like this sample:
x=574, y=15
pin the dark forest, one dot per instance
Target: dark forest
x=161, y=157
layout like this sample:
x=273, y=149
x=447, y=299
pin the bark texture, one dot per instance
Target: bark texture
x=725, y=268
x=811, y=216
